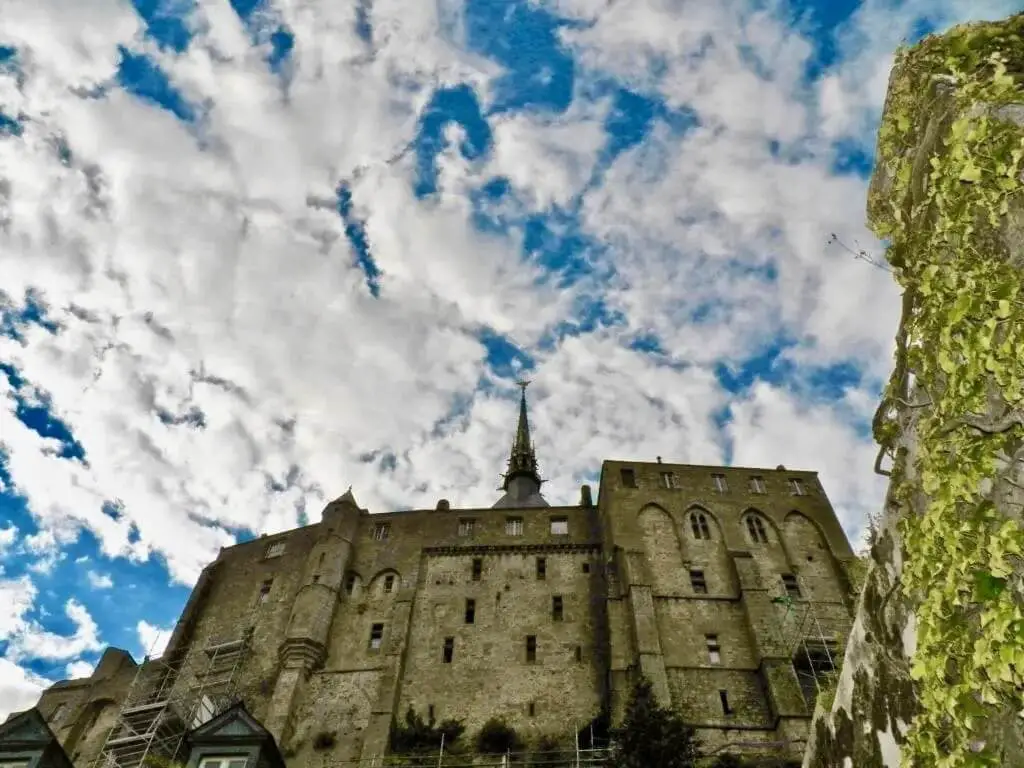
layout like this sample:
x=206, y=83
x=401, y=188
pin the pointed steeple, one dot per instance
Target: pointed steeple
x=522, y=480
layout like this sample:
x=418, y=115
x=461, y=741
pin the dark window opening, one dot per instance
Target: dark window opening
x=755, y=527
x=350, y=583
x=470, y=611
x=264, y=591
x=697, y=581
x=389, y=583
x=376, y=636
x=449, y=649
x=316, y=578
x=542, y=568
x=815, y=665
x=714, y=650
x=531, y=709
x=430, y=713
x=699, y=524
x=478, y=566
x=579, y=653
x=790, y=583
x=531, y=648
x=586, y=567
x=724, y=696
x=628, y=478
x=556, y=608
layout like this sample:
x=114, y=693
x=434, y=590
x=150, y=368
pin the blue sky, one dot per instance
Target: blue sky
x=251, y=256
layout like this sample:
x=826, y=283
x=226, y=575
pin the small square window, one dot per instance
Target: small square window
x=275, y=550
x=381, y=531
x=796, y=487
x=376, y=636
x=531, y=648
x=724, y=697
x=668, y=480
x=714, y=650
x=389, y=583
x=542, y=568
x=513, y=526
x=720, y=485
x=757, y=484
x=466, y=526
x=559, y=526
x=478, y=566
x=556, y=608
x=628, y=478
x=470, y=611
x=790, y=583
x=697, y=582
x=449, y=650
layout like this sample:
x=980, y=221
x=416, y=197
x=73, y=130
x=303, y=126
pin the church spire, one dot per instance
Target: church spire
x=522, y=480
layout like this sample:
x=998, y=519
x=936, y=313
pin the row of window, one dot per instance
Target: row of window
x=448, y=648
x=699, y=584
x=559, y=526
x=755, y=483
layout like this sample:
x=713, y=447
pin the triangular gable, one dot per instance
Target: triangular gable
x=27, y=729
x=233, y=723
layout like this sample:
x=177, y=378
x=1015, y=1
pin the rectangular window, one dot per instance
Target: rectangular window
x=559, y=526
x=697, y=582
x=586, y=567
x=264, y=592
x=466, y=527
x=449, y=650
x=724, y=696
x=714, y=650
x=275, y=550
x=628, y=478
x=513, y=526
x=542, y=568
x=350, y=583
x=376, y=636
x=430, y=713
x=796, y=487
x=470, y=611
x=791, y=585
x=668, y=480
x=556, y=608
x=531, y=648
x=223, y=762
x=389, y=583
x=757, y=484
x=720, y=485
x=531, y=709
x=381, y=531
x=579, y=653
x=478, y=566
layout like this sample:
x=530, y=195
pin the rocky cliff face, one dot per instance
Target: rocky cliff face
x=934, y=670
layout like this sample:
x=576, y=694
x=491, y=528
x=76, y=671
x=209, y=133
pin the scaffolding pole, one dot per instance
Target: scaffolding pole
x=811, y=636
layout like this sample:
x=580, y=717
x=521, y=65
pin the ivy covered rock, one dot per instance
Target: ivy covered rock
x=934, y=669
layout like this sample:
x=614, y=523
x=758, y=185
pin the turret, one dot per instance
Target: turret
x=522, y=480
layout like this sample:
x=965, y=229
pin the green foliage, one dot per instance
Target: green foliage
x=497, y=736
x=729, y=760
x=652, y=735
x=960, y=337
x=417, y=736
x=155, y=760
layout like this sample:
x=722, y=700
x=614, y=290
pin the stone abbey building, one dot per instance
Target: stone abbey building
x=724, y=586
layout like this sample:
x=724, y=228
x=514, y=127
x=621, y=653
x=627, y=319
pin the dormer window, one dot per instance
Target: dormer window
x=275, y=550
x=699, y=525
x=755, y=527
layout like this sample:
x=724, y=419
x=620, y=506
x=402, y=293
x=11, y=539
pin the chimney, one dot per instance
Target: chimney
x=585, y=498
x=443, y=505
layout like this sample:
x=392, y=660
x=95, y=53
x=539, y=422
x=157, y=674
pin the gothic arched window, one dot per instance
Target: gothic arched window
x=699, y=524
x=755, y=527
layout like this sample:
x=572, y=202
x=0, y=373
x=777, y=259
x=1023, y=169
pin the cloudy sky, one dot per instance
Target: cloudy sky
x=254, y=252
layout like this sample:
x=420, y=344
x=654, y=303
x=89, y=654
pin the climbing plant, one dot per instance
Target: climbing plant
x=951, y=151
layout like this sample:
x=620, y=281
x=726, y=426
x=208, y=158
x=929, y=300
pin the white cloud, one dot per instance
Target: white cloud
x=19, y=688
x=31, y=641
x=79, y=669
x=99, y=580
x=153, y=639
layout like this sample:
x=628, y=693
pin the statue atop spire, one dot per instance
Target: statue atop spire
x=522, y=480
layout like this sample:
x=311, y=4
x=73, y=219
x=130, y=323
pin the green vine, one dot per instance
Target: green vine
x=953, y=160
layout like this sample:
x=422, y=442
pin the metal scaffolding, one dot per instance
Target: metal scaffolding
x=170, y=696
x=814, y=644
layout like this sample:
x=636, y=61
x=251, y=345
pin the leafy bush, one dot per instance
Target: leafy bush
x=419, y=736
x=497, y=736
x=652, y=735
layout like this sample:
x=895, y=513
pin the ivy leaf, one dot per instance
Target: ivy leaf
x=1004, y=309
x=989, y=587
x=970, y=173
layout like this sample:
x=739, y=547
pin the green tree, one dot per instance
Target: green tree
x=652, y=735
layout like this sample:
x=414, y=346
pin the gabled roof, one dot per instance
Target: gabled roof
x=236, y=726
x=26, y=730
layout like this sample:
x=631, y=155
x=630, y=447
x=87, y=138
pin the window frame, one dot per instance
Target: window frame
x=542, y=569
x=477, y=569
x=797, y=487
x=275, y=549
x=757, y=485
x=699, y=525
x=514, y=526
x=723, y=696
x=628, y=472
x=721, y=486
x=668, y=481
x=469, y=614
x=756, y=529
x=531, y=649
x=557, y=608
x=556, y=521
x=697, y=576
x=791, y=584
x=466, y=526
x=389, y=583
x=223, y=761
x=381, y=531
x=714, y=649
x=448, y=650
x=379, y=639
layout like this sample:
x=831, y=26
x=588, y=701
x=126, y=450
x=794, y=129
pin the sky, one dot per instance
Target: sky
x=253, y=252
